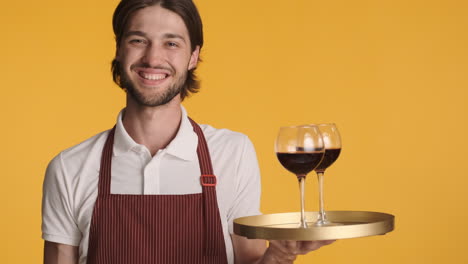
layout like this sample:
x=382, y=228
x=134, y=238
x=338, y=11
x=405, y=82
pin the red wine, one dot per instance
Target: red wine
x=330, y=156
x=300, y=163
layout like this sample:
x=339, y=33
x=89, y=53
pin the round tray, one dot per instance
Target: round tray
x=285, y=226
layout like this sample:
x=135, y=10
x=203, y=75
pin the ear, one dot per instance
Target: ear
x=194, y=58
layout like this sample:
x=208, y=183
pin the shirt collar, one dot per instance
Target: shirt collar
x=122, y=140
x=183, y=146
x=185, y=143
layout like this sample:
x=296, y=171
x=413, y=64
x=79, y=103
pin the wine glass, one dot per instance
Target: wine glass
x=300, y=149
x=332, y=142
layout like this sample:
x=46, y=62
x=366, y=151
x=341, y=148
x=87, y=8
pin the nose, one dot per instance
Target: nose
x=154, y=55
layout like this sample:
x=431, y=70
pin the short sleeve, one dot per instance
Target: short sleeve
x=58, y=221
x=248, y=189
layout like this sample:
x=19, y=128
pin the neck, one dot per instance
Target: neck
x=153, y=127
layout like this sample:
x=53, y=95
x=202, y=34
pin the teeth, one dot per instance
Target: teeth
x=153, y=77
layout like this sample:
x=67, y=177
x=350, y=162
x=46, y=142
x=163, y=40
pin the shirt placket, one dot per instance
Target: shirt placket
x=152, y=174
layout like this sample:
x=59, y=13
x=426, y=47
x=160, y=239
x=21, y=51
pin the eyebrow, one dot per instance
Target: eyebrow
x=173, y=35
x=143, y=34
x=135, y=32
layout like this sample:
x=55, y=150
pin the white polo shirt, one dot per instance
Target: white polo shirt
x=70, y=185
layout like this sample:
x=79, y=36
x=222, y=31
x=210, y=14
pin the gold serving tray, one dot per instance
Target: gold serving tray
x=285, y=226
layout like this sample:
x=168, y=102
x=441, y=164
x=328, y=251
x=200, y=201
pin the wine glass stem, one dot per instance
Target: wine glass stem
x=322, y=216
x=301, y=179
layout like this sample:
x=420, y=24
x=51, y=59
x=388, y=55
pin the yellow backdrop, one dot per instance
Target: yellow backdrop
x=391, y=74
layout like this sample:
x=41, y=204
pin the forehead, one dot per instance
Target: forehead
x=157, y=20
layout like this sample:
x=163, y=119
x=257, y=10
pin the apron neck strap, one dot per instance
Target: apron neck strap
x=106, y=162
x=207, y=178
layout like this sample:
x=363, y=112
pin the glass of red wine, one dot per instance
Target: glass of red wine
x=300, y=149
x=332, y=142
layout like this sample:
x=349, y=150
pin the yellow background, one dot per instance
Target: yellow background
x=391, y=74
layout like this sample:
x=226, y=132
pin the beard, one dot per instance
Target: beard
x=157, y=99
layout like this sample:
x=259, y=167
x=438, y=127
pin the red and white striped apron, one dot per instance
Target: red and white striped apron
x=150, y=229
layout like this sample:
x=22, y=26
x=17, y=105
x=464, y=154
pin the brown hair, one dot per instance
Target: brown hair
x=186, y=9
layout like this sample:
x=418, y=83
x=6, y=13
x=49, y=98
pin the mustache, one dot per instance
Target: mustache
x=158, y=67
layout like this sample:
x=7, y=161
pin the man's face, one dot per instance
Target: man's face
x=155, y=55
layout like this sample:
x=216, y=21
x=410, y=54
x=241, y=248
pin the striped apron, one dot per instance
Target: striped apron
x=149, y=229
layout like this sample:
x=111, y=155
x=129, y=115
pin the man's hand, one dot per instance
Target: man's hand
x=250, y=251
x=286, y=251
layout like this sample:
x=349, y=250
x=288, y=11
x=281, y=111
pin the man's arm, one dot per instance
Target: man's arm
x=247, y=250
x=254, y=251
x=58, y=221
x=55, y=253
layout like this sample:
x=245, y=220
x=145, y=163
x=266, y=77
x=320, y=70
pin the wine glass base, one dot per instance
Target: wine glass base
x=319, y=223
x=326, y=223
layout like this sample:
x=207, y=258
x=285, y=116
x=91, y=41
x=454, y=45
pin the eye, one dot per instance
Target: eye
x=172, y=44
x=137, y=41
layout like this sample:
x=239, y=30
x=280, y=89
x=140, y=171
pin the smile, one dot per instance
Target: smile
x=152, y=76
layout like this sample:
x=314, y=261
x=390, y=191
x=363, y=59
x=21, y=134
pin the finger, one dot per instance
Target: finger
x=280, y=251
x=308, y=246
x=327, y=242
x=291, y=246
x=278, y=245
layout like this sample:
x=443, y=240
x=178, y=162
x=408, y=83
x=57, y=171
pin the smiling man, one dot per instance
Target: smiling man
x=158, y=187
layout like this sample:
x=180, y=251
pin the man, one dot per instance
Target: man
x=134, y=194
